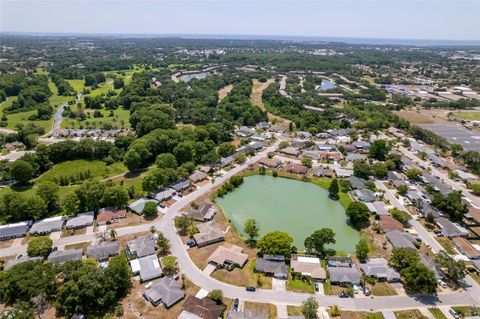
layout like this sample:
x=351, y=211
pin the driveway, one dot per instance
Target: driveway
x=278, y=284
x=209, y=269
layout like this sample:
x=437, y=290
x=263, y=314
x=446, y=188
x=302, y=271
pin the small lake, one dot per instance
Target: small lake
x=199, y=76
x=327, y=85
x=296, y=207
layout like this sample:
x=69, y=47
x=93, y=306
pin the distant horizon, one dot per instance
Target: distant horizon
x=266, y=37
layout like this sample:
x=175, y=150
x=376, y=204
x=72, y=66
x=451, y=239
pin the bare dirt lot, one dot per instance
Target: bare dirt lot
x=223, y=92
x=130, y=220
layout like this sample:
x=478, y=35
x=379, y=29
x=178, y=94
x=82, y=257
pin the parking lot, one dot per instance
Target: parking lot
x=469, y=139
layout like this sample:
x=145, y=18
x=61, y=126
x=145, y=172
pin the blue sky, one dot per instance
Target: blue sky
x=407, y=19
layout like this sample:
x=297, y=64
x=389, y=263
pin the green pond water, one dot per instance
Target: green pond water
x=296, y=207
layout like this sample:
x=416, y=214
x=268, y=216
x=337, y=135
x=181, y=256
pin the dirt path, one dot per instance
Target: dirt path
x=256, y=98
x=223, y=92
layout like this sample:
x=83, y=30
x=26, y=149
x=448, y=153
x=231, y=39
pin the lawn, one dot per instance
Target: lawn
x=294, y=310
x=299, y=285
x=466, y=311
x=475, y=277
x=77, y=85
x=382, y=289
x=437, y=313
x=409, y=314
x=471, y=116
x=360, y=315
x=120, y=119
x=324, y=182
x=99, y=170
x=265, y=308
x=446, y=244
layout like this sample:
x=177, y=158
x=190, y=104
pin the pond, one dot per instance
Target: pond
x=296, y=207
x=199, y=76
x=327, y=85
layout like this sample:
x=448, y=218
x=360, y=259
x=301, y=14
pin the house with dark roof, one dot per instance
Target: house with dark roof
x=290, y=151
x=10, y=263
x=181, y=185
x=296, y=168
x=103, y=251
x=47, y=225
x=399, y=239
x=61, y=256
x=201, y=309
x=226, y=161
x=378, y=268
x=357, y=183
x=344, y=276
x=430, y=264
x=148, y=267
x=142, y=246
x=272, y=265
x=16, y=230
x=164, y=291
x=80, y=221
x=361, y=145
x=364, y=195
x=450, y=229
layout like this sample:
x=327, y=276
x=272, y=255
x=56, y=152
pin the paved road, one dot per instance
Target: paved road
x=166, y=225
x=421, y=231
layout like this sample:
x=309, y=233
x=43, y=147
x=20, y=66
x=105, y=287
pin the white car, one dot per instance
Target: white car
x=325, y=315
x=442, y=284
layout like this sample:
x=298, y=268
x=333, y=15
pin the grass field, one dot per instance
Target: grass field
x=77, y=85
x=409, y=314
x=324, y=182
x=299, y=285
x=471, y=116
x=446, y=244
x=119, y=120
x=437, y=313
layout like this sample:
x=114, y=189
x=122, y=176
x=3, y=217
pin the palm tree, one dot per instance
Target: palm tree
x=113, y=234
x=153, y=229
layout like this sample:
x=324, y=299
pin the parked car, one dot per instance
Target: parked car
x=355, y=289
x=366, y=291
x=343, y=294
x=325, y=315
x=454, y=313
x=250, y=288
x=442, y=284
x=236, y=302
x=191, y=243
x=316, y=287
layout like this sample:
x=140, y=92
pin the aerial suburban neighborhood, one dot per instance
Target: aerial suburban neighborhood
x=205, y=178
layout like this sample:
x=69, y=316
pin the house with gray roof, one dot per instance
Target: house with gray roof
x=137, y=206
x=426, y=209
x=272, y=265
x=80, y=221
x=356, y=157
x=378, y=207
x=148, y=267
x=361, y=145
x=47, y=225
x=450, y=229
x=16, y=230
x=401, y=240
x=204, y=213
x=344, y=276
x=290, y=151
x=357, y=183
x=164, y=291
x=162, y=194
x=430, y=264
x=209, y=233
x=61, y=256
x=142, y=246
x=181, y=185
x=378, y=268
x=103, y=251
x=10, y=263
x=364, y=195
x=226, y=161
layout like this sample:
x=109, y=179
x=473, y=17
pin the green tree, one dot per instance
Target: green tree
x=362, y=249
x=413, y=174
x=251, y=229
x=306, y=161
x=418, y=278
x=118, y=271
x=21, y=171
x=283, y=144
x=379, y=150
x=452, y=204
x=379, y=170
x=359, y=214
x=454, y=270
x=401, y=216
x=48, y=191
x=150, y=210
x=166, y=160
x=163, y=244
x=333, y=189
x=240, y=158
x=39, y=246
x=169, y=264
x=403, y=258
x=402, y=190
x=276, y=243
x=71, y=204
x=226, y=149
x=183, y=223
x=361, y=169
x=315, y=243
x=310, y=308
x=216, y=295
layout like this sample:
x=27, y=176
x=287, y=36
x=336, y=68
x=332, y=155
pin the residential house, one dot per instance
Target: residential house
x=148, y=267
x=180, y=185
x=10, y=263
x=209, y=233
x=226, y=161
x=342, y=172
x=473, y=216
x=450, y=229
x=137, y=206
x=47, y=225
x=290, y=151
x=228, y=256
x=361, y=145
x=103, y=251
x=388, y=223
x=304, y=135
x=80, y=221
x=378, y=207
x=204, y=213
x=339, y=261
x=272, y=265
x=430, y=264
x=270, y=162
x=427, y=209
x=352, y=157
x=466, y=248
x=61, y=256
x=164, y=291
x=244, y=133
x=378, y=268
x=279, y=128
x=142, y=246
x=197, y=177
x=393, y=176
x=107, y=215
x=162, y=194
x=260, y=137
x=465, y=176
x=308, y=266
x=364, y=195
x=326, y=147
x=323, y=172
x=357, y=183
x=331, y=156
x=298, y=143
x=205, y=169
x=263, y=125
x=196, y=308
x=296, y=168
x=314, y=155
x=344, y=276
x=399, y=239
x=15, y=230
